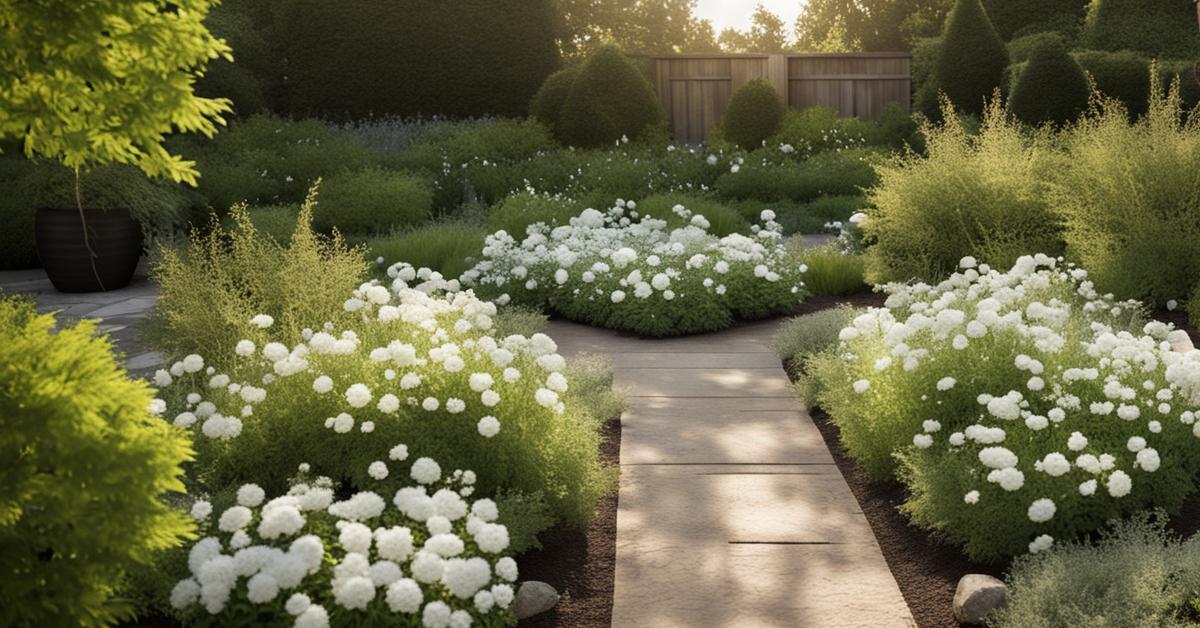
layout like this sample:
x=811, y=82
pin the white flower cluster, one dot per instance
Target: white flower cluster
x=617, y=259
x=1078, y=377
x=435, y=556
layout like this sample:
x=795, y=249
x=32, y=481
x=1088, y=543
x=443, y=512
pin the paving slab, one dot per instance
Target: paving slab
x=731, y=511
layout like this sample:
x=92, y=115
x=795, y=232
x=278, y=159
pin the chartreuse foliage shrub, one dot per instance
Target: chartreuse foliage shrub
x=210, y=289
x=1135, y=574
x=275, y=221
x=613, y=270
x=753, y=114
x=86, y=466
x=1157, y=28
x=409, y=366
x=971, y=58
x=1052, y=87
x=609, y=99
x=1128, y=195
x=447, y=247
x=1018, y=408
x=973, y=195
x=372, y=201
x=805, y=336
x=412, y=548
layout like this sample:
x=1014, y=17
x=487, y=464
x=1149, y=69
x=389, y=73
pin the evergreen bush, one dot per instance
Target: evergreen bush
x=971, y=58
x=610, y=99
x=753, y=114
x=1052, y=87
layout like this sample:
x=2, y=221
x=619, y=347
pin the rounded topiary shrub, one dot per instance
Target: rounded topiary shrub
x=1123, y=75
x=1158, y=28
x=971, y=58
x=547, y=103
x=753, y=114
x=372, y=201
x=1052, y=88
x=86, y=465
x=609, y=100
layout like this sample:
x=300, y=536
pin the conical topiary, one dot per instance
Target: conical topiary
x=1052, y=88
x=753, y=114
x=610, y=99
x=972, y=58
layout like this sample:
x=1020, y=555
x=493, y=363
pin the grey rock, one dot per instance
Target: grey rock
x=976, y=596
x=534, y=597
x=1180, y=341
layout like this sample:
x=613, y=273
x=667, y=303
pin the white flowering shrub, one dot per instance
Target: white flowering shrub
x=1018, y=405
x=418, y=365
x=410, y=552
x=629, y=272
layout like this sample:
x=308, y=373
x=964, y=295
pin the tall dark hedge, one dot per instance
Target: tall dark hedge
x=1052, y=88
x=1123, y=75
x=971, y=59
x=353, y=58
x=251, y=78
x=1158, y=28
x=1009, y=16
x=609, y=99
x=753, y=114
x=547, y=103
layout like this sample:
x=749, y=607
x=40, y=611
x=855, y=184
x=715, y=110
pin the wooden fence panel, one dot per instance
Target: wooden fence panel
x=695, y=89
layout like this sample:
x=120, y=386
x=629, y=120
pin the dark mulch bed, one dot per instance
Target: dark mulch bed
x=580, y=564
x=927, y=570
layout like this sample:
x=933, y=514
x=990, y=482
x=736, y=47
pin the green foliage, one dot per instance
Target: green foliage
x=1157, y=28
x=817, y=215
x=1135, y=574
x=521, y=320
x=277, y=222
x=447, y=247
x=819, y=129
x=610, y=99
x=86, y=466
x=977, y=195
x=832, y=272
x=358, y=58
x=1128, y=196
x=93, y=83
x=1052, y=88
x=548, y=102
x=252, y=74
x=525, y=516
x=896, y=129
x=723, y=220
x=753, y=114
x=520, y=210
x=1010, y=16
x=1020, y=50
x=828, y=174
x=209, y=291
x=925, y=55
x=17, y=212
x=971, y=58
x=372, y=201
x=804, y=336
x=1122, y=75
x=266, y=159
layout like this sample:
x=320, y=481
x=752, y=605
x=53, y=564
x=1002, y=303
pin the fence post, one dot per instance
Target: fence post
x=777, y=75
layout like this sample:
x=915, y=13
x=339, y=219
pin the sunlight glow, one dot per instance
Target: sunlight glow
x=736, y=13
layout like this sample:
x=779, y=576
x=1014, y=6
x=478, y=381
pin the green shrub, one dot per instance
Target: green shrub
x=1003, y=396
x=86, y=469
x=540, y=446
x=17, y=211
x=548, y=102
x=447, y=247
x=1122, y=75
x=1069, y=25
x=515, y=213
x=265, y=159
x=275, y=221
x=521, y=320
x=244, y=80
x=209, y=291
x=359, y=58
x=818, y=129
x=817, y=215
x=1185, y=73
x=896, y=129
x=372, y=201
x=1020, y=50
x=1134, y=574
x=1127, y=194
x=1010, y=16
x=1052, y=88
x=828, y=174
x=496, y=141
x=753, y=114
x=810, y=334
x=610, y=99
x=974, y=195
x=722, y=219
x=832, y=272
x=971, y=58
x=925, y=53
x=1157, y=28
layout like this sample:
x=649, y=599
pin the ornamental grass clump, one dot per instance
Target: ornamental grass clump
x=410, y=551
x=625, y=271
x=415, y=362
x=86, y=468
x=1017, y=407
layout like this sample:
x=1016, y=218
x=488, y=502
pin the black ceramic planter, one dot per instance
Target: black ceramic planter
x=114, y=236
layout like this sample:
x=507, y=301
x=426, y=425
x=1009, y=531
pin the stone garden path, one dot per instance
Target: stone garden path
x=731, y=510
